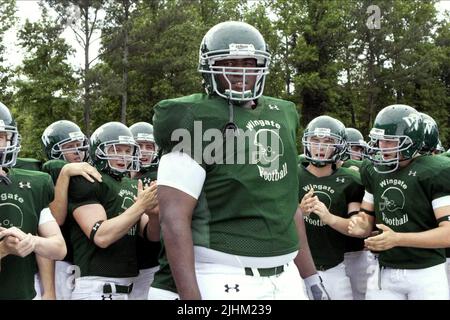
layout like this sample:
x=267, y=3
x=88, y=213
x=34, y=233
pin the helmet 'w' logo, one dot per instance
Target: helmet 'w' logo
x=413, y=120
x=428, y=126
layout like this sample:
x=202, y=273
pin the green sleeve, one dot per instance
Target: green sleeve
x=173, y=124
x=83, y=192
x=365, y=176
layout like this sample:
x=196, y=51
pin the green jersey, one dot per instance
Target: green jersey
x=352, y=164
x=244, y=209
x=21, y=204
x=53, y=168
x=28, y=164
x=403, y=202
x=336, y=191
x=119, y=259
x=147, y=251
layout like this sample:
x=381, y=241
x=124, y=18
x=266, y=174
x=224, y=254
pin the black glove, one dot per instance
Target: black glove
x=315, y=288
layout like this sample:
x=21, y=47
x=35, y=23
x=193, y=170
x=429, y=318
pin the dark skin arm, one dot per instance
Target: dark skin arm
x=303, y=260
x=175, y=210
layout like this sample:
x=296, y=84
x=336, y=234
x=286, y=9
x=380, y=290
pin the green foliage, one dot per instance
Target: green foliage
x=47, y=90
x=325, y=59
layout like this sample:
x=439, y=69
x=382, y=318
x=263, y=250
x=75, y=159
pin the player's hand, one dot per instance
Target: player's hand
x=12, y=232
x=21, y=248
x=146, y=197
x=320, y=209
x=358, y=226
x=315, y=288
x=308, y=200
x=387, y=239
x=82, y=169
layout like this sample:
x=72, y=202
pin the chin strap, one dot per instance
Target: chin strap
x=5, y=179
x=230, y=127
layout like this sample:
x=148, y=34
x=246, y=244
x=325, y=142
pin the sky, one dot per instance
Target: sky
x=29, y=9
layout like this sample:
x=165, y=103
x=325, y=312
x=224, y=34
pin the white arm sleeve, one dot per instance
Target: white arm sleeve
x=46, y=216
x=180, y=171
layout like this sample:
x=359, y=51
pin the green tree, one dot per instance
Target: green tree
x=47, y=90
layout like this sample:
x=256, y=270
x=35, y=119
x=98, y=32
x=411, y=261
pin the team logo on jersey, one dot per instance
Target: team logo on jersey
x=274, y=107
x=25, y=185
x=413, y=120
x=341, y=180
x=269, y=149
x=392, y=200
x=228, y=288
x=10, y=216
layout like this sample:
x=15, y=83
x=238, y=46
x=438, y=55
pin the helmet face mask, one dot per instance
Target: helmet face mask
x=9, y=146
x=113, y=150
x=69, y=148
x=143, y=135
x=356, y=146
x=397, y=135
x=324, y=141
x=64, y=140
x=121, y=155
x=234, y=41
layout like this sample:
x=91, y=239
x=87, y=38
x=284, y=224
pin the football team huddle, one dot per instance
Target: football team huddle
x=212, y=200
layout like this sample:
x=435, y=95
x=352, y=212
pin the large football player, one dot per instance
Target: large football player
x=407, y=197
x=329, y=196
x=27, y=227
x=107, y=215
x=147, y=249
x=228, y=225
x=66, y=148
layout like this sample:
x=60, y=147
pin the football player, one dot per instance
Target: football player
x=147, y=249
x=27, y=227
x=107, y=215
x=407, y=198
x=228, y=227
x=66, y=148
x=329, y=196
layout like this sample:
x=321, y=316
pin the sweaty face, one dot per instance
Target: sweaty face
x=121, y=154
x=73, y=155
x=238, y=82
x=322, y=148
x=147, y=152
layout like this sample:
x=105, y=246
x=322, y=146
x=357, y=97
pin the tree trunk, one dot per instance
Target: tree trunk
x=123, y=112
x=87, y=98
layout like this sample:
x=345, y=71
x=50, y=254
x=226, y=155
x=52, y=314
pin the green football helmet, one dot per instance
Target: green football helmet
x=233, y=40
x=143, y=132
x=324, y=127
x=103, y=148
x=354, y=139
x=398, y=123
x=61, y=132
x=8, y=152
x=431, y=134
